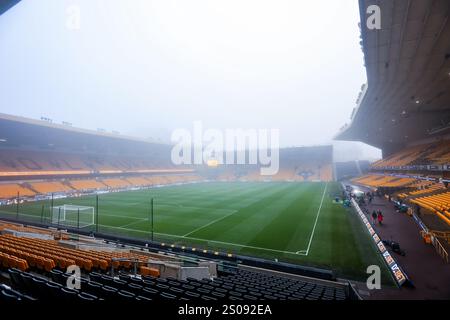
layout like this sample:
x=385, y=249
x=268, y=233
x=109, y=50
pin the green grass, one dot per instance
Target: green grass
x=288, y=221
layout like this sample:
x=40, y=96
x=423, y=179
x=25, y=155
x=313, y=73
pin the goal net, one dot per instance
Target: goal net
x=74, y=216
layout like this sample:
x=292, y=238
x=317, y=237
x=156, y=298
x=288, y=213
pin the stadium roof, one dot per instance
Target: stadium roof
x=20, y=132
x=68, y=127
x=5, y=5
x=407, y=96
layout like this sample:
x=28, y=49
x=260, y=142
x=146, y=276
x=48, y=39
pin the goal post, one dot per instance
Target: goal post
x=73, y=215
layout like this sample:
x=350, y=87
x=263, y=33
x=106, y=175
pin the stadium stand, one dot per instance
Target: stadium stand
x=383, y=181
x=438, y=204
x=232, y=285
x=138, y=181
x=49, y=187
x=436, y=153
x=35, y=272
x=116, y=183
x=85, y=184
x=11, y=190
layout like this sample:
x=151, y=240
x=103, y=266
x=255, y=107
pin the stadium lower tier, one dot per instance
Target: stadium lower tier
x=372, y=180
x=33, y=188
x=438, y=204
x=429, y=195
x=34, y=269
x=230, y=285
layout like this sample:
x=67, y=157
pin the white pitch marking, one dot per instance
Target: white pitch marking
x=119, y=216
x=210, y=223
x=134, y=222
x=317, y=218
x=213, y=241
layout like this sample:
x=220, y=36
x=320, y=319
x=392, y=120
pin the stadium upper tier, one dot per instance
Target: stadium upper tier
x=407, y=96
x=19, y=133
x=32, y=163
x=435, y=153
x=439, y=204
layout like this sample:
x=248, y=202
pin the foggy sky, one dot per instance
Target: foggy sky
x=145, y=68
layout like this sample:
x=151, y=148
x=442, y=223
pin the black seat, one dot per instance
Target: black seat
x=124, y=277
x=162, y=287
x=6, y=295
x=125, y=295
x=93, y=288
x=56, y=276
x=142, y=298
x=217, y=295
x=135, y=280
x=148, y=278
x=191, y=295
x=174, y=283
x=86, y=297
x=64, y=278
x=159, y=280
x=27, y=281
x=107, y=280
x=38, y=287
x=187, y=287
x=16, y=278
x=202, y=291
x=109, y=292
x=68, y=294
x=95, y=276
x=235, y=293
x=119, y=284
x=147, y=283
x=176, y=291
x=52, y=290
x=167, y=296
x=135, y=288
x=149, y=293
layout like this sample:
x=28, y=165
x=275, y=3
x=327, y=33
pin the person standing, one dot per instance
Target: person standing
x=380, y=218
x=374, y=217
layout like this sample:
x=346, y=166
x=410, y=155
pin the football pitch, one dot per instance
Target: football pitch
x=296, y=222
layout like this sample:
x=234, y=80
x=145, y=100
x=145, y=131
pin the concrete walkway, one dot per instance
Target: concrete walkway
x=425, y=268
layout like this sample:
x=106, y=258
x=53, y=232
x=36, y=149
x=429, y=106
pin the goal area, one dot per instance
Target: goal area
x=73, y=216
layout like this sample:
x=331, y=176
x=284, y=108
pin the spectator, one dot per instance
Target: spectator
x=374, y=217
x=380, y=218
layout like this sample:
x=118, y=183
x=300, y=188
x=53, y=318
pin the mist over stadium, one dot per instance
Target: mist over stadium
x=208, y=154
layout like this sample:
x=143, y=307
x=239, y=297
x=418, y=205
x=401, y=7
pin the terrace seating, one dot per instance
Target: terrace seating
x=439, y=204
x=380, y=181
x=138, y=181
x=50, y=187
x=10, y=261
x=87, y=184
x=10, y=190
x=47, y=254
x=426, y=154
x=7, y=294
x=236, y=285
x=116, y=183
x=21, y=228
